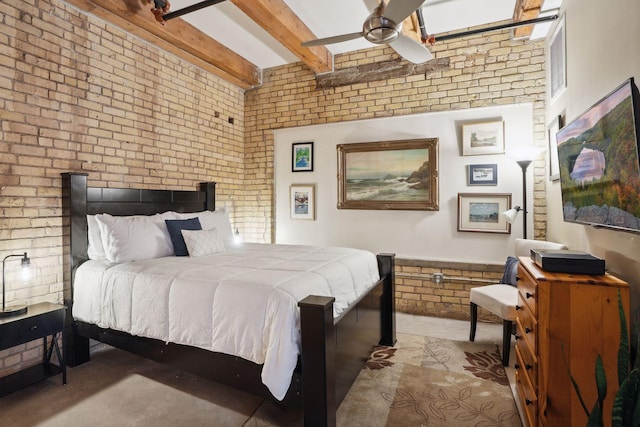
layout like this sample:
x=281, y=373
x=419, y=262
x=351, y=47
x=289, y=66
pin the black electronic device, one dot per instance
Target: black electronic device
x=564, y=261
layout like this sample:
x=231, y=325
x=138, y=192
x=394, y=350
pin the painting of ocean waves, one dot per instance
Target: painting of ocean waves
x=391, y=189
x=400, y=175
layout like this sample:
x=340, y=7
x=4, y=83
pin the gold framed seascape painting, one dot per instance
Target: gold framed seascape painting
x=389, y=175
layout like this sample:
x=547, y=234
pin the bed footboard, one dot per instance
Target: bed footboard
x=334, y=353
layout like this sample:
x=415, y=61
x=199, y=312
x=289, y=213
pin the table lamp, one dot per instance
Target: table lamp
x=25, y=276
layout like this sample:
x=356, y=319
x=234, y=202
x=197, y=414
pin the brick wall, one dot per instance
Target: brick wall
x=77, y=94
x=418, y=293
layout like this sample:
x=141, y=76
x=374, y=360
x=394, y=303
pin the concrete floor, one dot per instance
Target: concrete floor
x=117, y=388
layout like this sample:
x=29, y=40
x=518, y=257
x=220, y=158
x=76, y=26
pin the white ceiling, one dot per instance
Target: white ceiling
x=228, y=25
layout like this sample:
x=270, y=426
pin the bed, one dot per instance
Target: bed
x=335, y=339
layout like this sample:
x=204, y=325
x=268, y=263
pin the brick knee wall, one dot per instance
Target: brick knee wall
x=417, y=292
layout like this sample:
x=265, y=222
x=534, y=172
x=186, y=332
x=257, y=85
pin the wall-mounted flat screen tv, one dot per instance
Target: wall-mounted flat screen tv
x=599, y=166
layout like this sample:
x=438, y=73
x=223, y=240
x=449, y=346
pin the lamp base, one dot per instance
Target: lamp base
x=13, y=311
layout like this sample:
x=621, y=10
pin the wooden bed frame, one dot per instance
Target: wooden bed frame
x=333, y=350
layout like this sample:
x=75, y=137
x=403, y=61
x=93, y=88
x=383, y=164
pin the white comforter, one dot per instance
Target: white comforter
x=241, y=302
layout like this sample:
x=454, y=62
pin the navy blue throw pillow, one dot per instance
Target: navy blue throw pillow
x=175, y=226
x=510, y=271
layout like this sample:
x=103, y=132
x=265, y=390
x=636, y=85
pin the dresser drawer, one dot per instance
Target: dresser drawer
x=528, y=402
x=526, y=329
x=528, y=289
x=527, y=365
x=31, y=328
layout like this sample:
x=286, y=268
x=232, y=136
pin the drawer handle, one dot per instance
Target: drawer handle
x=526, y=366
x=528, y=330
x=528, y=295
x=528, y=402
x=518, y=307
x=33, y=328
x=517, y=337
x=518, y=279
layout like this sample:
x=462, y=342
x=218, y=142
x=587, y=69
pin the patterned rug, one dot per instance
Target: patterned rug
x=425, y=381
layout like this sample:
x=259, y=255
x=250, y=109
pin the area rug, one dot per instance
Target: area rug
x=425, y=381
x=421, y=381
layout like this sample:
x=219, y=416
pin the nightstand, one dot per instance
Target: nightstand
x=40, y=321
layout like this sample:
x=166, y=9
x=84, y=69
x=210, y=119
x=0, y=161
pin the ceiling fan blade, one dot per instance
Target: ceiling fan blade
x=411, y=50
x=331, y=40
x=399, y=10
x=371, y=4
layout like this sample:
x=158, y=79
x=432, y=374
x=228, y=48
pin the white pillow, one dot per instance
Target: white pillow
x=130, y=238
x=202, y=242
x=95, y=249
x=220, y=220
x=213, y=219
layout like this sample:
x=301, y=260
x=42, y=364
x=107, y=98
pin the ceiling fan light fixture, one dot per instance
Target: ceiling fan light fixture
x=379, y=30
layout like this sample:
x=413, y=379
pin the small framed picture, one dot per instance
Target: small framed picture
x=481, y=212
x=552, y=130
x=482, y=174
x=302, y=157
x=483, y=138
x=302, y=202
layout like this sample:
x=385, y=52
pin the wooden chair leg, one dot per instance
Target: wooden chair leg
x=507, y=326
x=474, y=321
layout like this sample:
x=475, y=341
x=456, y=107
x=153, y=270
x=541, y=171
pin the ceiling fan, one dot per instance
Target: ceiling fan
x=384, y=26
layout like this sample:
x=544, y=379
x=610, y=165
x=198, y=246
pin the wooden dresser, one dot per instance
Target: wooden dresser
x=565, y=317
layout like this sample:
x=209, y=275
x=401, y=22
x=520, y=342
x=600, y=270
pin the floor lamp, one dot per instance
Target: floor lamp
x=524, y=157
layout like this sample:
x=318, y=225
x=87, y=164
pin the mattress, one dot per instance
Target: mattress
x=242, y=302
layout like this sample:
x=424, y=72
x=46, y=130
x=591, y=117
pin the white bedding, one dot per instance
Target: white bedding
x=241, y=302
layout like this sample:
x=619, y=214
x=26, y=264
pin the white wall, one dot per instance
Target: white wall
x=411, y=234
x=602, y=52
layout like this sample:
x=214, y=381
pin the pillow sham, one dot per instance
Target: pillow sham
x=131, y=238
x=213, y=219
x=95, y=249
x=175, y=226
x=203, y=242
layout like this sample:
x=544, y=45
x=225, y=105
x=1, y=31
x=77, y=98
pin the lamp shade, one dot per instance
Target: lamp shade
x=511, y=215
x=525, y=153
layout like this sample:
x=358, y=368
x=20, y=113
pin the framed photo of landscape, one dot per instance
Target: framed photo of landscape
x=558, y=60
x=481, y=212
x=400, y=175
x=302, y=201
x=482, y=174
x=483, y=138
x=302, y=157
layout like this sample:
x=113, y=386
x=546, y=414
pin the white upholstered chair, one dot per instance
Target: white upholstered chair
x=501, y=299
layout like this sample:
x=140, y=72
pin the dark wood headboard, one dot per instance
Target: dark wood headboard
x=80, y=200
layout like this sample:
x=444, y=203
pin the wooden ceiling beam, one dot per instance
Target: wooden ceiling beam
x=525, y=10
x=275, y=17
x=411, y=28
x=177, y=37
x=379, y=71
